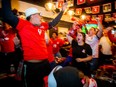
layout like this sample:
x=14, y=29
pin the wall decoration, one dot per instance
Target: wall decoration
x=70, y=3
x=107, y=7
x=88, y=10
x=91, y=1
x=108, y=17
x=60, y=3
x=100, y=17
x=115, y=4
x=93, y=17
x=88, y=17
x=114, y=15
x=95, y=9
x=80, y=2
x=78, y=11
x=62, y=31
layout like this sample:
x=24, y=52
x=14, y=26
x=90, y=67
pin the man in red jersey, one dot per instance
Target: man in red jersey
x=7, y=47
x=31, y=32
x=57, y=43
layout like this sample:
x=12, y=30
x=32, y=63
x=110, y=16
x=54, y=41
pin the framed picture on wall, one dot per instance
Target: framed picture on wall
x=79, y=2
x=108, y=17
x=78, y=11
x=115, y=4
x=107, y=7
x=100, y=17
x=95, y=9
x=114, y=15
x=88, y=10
x=70, y=3
x=62, y=31
x=94, y=17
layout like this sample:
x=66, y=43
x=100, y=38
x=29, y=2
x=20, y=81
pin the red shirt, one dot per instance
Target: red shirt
x=57, y=43
x=50, y=51
x=32, y=39
x=7, y=43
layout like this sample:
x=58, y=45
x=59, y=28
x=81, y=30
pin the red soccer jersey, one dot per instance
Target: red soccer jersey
x=57, y=43
x=32, y=39
x=50, y=51
x=7, y=44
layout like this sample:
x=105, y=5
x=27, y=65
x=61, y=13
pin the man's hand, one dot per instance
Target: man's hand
x=109, y=28
x=65, y=7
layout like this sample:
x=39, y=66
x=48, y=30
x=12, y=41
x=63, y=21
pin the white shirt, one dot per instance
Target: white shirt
x=93, y=42
x=106, y=45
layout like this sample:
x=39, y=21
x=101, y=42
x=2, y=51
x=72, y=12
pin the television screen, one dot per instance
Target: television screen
x=88, y=26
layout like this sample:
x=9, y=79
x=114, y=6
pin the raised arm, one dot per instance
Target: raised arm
x=8, y=15
x=86, y=29
x=69, y=38
x=100, y=27
x=57, y=19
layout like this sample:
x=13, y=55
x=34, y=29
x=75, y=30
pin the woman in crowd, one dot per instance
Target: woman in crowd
x=81, y=54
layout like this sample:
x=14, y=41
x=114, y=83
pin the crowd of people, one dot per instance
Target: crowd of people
x=27, y=41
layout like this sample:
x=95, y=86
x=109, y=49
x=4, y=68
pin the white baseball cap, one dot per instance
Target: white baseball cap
x=30, y=11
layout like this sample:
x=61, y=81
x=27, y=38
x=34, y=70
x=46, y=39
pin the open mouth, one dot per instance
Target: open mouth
x=78, y=39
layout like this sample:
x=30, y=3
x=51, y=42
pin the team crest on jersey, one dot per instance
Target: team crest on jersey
x=39, y=31
x=83, y=50
x=54, y=45
x=42, y=27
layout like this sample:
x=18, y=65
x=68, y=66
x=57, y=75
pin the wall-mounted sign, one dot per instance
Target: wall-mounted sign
x=107, y=7
x=88, y=10
x=95, y=9
x=79, y=2
x=78, y=11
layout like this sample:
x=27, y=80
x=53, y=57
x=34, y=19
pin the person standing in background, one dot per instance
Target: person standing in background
x=57, y=43
x=7, y=47
x=92, y=38
x=32, y=36
x=105, y=46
